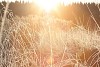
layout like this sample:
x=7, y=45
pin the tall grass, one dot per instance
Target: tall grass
x=46, y=41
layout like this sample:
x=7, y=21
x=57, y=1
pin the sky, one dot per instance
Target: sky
x=63, y=1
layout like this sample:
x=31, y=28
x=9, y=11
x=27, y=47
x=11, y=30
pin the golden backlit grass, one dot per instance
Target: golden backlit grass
x=45, y=41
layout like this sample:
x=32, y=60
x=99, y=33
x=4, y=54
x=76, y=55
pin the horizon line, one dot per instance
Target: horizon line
x=61, y=1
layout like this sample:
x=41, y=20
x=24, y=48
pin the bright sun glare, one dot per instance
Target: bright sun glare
x=47, y=5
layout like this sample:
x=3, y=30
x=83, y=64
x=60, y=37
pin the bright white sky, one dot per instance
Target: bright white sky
x=65, y=1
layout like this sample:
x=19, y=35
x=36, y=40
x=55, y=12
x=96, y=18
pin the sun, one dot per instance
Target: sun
x=47, y=5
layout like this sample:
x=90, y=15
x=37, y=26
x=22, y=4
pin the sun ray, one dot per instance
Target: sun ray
x=47, y=5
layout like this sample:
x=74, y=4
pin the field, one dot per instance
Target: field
x=47, y=41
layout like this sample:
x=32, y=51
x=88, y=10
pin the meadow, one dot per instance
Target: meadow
x=47, y=41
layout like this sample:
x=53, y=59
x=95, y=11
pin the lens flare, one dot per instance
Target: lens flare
x=47, y=5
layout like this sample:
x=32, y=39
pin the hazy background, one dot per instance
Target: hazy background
x=75, y=12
